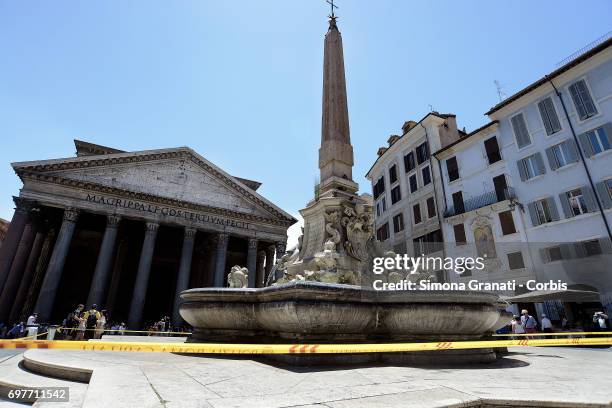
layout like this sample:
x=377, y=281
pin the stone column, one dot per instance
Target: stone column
x=13, y=236
x=182, y=281
x=11, y=285
x=261, y=258
x=51, y=281
x=28, y=275
x=211, y=250
x=269, y=262
x=100, y=280
x=252, y=262
x=142, y=276
x=221, y=257
x=281, y=248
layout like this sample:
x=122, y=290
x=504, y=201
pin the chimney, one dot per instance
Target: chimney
x=448, y=131
x=392, y=139
x=408, y=125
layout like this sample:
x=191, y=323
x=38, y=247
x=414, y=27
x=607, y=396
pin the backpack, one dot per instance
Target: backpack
x=91, y=319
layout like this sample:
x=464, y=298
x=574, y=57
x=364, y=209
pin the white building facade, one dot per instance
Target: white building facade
x=557, y=142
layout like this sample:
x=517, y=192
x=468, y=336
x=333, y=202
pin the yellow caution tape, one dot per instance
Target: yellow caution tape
x=32, y=337
x=550, y=334
x=223, y=348
x=123, y=331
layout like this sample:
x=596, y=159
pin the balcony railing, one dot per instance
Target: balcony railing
x=474, y=203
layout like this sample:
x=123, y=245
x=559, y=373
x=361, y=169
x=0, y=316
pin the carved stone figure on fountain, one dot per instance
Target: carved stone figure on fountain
x=238, y=277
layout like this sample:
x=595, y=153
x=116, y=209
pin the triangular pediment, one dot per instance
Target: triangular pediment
x=177, y=174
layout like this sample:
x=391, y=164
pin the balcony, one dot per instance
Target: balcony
x=474, y=203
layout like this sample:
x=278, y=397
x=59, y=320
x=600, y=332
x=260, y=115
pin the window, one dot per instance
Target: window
x=543, y=211
x=398, y=223
x=426, y=175
x=379, y=187
x=604, y=190
x=501, y=187
x=531, y=166
x=409, y=162
x=515, y=260
x=396, y=194
x=582, y=100
x=458, y=203
x=591, y=247
x=520, y=130
x=428, y=243
x=431, y=207
x=549, y=116
x=507, y=222
x=554, y=253
x=381, y=206
x=416, y=211
x=393, y=174
x=597, y=140
x=382, y=234
x=413, y=183
x=576, y=201
x=492, y=149
x=452, y=168
x=562, y=154
x=422, y=153
x=459, y=231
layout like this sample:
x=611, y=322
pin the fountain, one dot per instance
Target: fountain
x=321, y=292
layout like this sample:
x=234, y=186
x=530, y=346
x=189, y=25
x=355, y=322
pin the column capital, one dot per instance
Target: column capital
x=71, y=214
x=112, y=221
x=281, y=247
x=151, y=227
x=190, y=232
x=23, y=204
x=253, y=243
x=222, y=239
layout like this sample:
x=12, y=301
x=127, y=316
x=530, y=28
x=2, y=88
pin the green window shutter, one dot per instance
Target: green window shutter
x=585, y=144
x=606, y=245
x=521, y=168
x=608, y=131
x=580, y=109
x=589, y=106
x=566, y=251
x=604, y=195
x=533, y=213
x=589, y=198
x=567, y=210
x=552, y=161
x=540, y=163
x=572, y=151
x=580, y=251
x=520, y=130
x=554, y=214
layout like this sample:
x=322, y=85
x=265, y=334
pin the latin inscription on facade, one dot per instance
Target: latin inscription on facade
x=165, y=211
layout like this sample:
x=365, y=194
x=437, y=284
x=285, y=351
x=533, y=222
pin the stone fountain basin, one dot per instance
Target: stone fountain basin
x=327, y=313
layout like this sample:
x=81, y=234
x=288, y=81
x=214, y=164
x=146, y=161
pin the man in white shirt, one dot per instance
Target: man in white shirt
x=599, y=318
x=546, y=324
x=529, y=322
x=32, y=326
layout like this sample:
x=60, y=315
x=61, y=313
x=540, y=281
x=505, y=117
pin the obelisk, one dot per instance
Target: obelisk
x=336, y=152
x=337, y=214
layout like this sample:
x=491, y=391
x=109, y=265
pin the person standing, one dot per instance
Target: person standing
x=82, y=326
x=528, y=321
x=547, y=326
x=599, y=320
x=517, y=327
x=100, y=324
x=91, y=319
x=32, y=326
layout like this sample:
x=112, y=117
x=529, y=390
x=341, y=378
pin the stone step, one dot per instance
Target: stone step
x=13, y=376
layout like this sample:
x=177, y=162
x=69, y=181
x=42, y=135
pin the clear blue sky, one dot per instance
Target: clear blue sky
x=240, y=81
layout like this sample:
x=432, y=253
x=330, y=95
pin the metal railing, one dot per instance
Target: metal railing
x=585, y=49
x=474, y=203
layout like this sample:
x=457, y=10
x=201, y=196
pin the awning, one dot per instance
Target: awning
x=569, y=295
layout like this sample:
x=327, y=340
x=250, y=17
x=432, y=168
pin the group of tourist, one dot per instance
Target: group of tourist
x=527, y=324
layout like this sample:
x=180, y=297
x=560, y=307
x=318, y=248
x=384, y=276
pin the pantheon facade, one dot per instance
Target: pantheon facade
x=129, y=231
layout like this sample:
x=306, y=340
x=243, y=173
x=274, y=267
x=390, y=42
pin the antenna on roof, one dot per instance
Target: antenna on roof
x=500, y=92
x=431, y=109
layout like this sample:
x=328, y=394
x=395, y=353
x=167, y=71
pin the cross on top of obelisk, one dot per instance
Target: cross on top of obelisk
x=332, y=6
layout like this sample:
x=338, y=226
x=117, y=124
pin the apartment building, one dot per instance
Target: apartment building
x=406, y=195
x=556, y=136
x=481, y=216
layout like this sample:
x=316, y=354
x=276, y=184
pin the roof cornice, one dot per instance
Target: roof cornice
x=45, y=166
